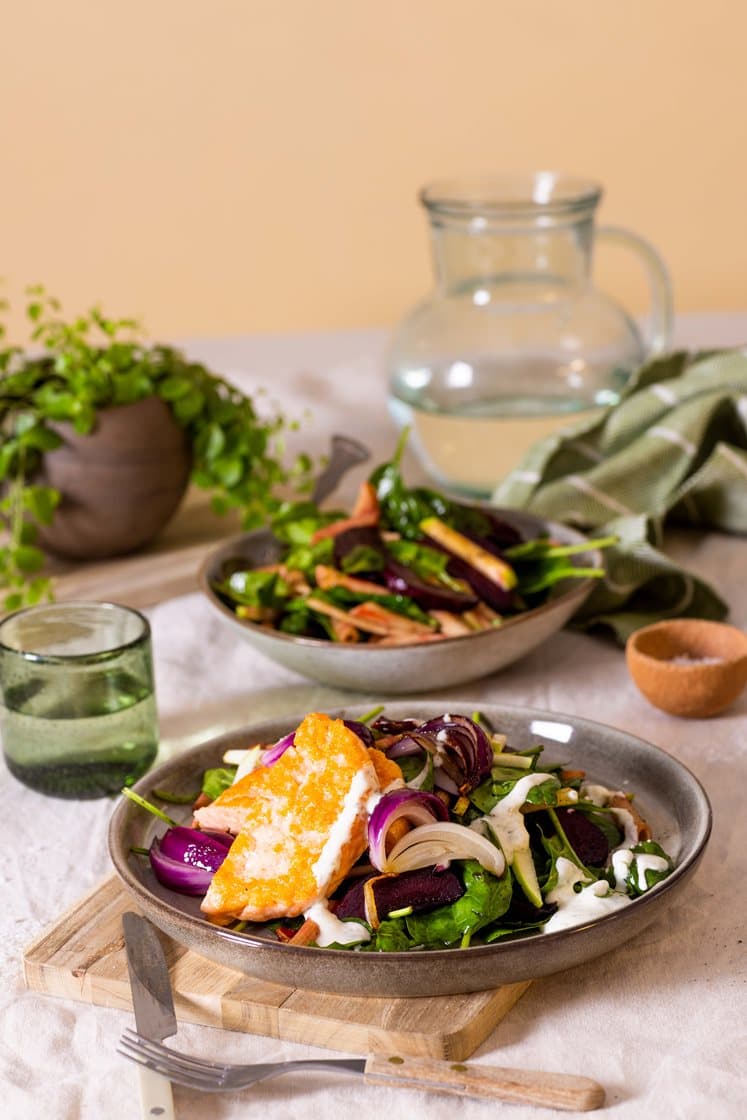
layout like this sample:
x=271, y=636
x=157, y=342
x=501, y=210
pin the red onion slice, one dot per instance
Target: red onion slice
x=185, y=859
x=273, y=753
x=414, y=805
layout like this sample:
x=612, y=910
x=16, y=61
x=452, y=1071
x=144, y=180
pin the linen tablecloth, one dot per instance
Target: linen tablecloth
x=660, y=1022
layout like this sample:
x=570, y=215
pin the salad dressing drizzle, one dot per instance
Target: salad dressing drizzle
x=505, y=819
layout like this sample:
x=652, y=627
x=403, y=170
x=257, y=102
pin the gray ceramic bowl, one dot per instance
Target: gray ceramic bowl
x=409, y=668
x=667, y=794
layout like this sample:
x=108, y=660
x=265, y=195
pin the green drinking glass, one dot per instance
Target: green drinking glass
x=78, y=716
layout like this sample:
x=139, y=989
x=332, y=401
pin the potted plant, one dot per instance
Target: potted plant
x=100, y=434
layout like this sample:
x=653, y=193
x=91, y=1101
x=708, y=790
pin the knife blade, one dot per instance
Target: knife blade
x=153, y=1005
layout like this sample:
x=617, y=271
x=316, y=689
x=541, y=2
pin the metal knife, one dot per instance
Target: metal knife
x=153, y=1005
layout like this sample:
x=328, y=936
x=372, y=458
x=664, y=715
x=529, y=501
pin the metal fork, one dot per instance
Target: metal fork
x=219, y=1077
x=548, y=1090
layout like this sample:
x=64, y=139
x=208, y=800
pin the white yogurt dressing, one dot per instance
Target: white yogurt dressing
x=601, y=796
x=623, y=860
x=332, y=931
x=627, y=823
x=598, y=795
x=594, y=900
x=364, y=783
x=505, y=819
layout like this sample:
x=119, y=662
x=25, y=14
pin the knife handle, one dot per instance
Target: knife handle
x=547, y=1090
x=156, y=1100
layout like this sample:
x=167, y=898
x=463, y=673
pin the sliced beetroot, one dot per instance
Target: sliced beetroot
x=501, y=534
x=587, y=839
x=404, y=581
x=422, y=890
x=484, y=587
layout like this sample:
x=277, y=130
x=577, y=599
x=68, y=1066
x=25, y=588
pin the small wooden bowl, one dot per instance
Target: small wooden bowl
x=687, y=666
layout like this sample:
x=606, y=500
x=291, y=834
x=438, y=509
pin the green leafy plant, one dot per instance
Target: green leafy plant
x=76, y=367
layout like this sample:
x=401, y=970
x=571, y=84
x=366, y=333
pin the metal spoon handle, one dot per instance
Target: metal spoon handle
x=345, y=453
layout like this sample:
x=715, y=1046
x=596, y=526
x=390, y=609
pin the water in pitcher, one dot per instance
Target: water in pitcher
x=514, y=341
x=469, y=443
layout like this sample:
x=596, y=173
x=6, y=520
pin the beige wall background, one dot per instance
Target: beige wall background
x=240, y=166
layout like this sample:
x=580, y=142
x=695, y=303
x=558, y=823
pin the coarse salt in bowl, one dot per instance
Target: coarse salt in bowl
x=689, y=667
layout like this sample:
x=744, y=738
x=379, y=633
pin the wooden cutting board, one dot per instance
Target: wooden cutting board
x=82, y=957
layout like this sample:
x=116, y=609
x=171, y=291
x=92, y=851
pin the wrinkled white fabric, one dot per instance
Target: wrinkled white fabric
x=660, y=1022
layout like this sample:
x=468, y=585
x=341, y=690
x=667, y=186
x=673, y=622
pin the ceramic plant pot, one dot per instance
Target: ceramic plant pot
x=120, y=484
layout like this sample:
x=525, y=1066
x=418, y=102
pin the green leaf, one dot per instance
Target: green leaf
x=485, y=899
x=229, y=472
x=189, y=406
x=41, y=502
x=651, y=875
x=8, y=454
x=27, y=558
x=362, y=559
x=40, y=438
x=546, y=793
x=305, y=558
x=172, y=388
x=56, y=404
x=214, y=442
x=217, y=779
x=254, y=588
x=390, y=937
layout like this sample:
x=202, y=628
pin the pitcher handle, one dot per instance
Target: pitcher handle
x=660, y=323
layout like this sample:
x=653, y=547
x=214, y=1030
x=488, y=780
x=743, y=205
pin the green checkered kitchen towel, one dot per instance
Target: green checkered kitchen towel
x=673, y=450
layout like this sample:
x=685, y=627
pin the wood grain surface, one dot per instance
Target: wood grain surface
x=81, y=957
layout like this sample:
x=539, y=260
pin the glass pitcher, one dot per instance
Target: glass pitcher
x=515, y=341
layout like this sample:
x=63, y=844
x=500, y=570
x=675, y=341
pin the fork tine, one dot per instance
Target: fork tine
x=214, y=1077
x=173, y=1057
x=189, y=1081
x=179, y=1077
x=174, y=1070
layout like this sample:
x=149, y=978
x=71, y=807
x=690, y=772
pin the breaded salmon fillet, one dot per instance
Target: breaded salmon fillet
x=304, y=825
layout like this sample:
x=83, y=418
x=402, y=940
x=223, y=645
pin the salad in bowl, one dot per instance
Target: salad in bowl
x=397, y=834
x=408, y=590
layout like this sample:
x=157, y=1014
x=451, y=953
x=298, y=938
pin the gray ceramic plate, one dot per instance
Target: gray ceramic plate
x=667, y=794
x=426, y=666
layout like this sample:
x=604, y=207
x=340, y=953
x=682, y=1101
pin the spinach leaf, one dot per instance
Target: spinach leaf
x=296, y=522
x=215, y=781
x=390, y=937
x=427, y=563
x=651, y=876
x=546, y=793
x=305, y=557
x=411, y=765
x=255, y=588
x=485, y=898
x=362, y=559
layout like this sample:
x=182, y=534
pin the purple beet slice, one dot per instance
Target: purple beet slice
x=587, y=839
x=421, y=889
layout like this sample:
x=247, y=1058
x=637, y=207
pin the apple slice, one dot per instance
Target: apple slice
x=490, y=566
